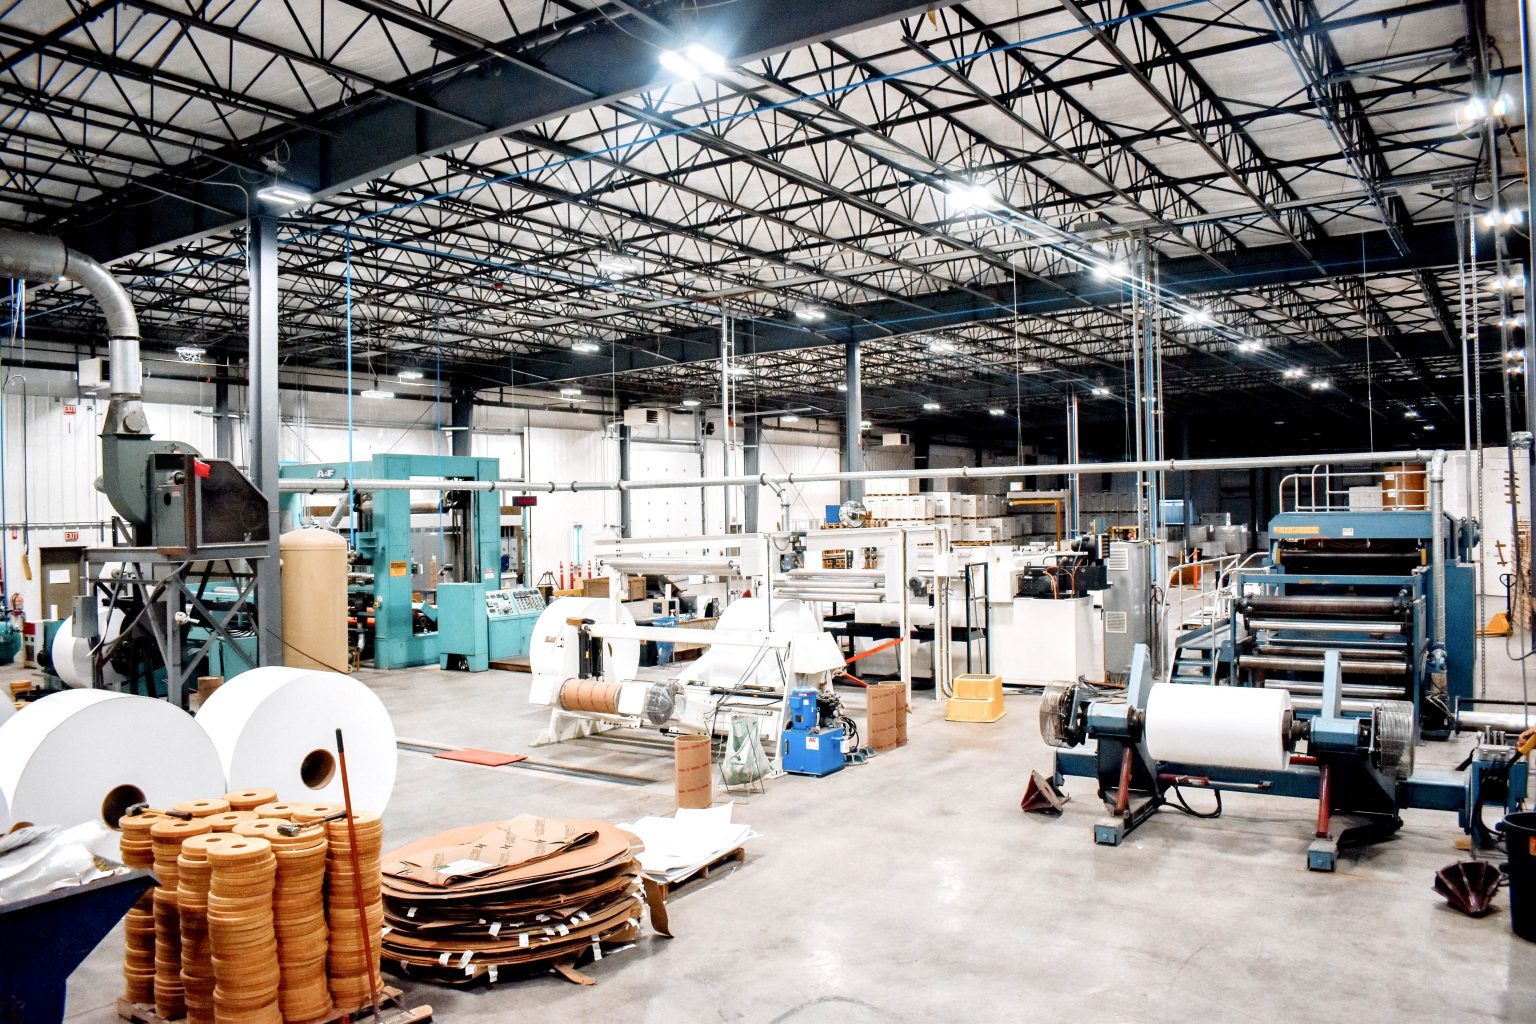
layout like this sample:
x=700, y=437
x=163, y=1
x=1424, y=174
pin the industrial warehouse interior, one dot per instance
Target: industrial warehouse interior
x=795, y=512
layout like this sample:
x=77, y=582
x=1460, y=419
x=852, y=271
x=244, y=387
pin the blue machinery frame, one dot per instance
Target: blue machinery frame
x=383, y=543
x=1344, y=771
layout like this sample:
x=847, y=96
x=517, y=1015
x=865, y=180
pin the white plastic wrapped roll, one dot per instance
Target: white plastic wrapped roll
x=1221, y=726
x=553, y=649
x=88, y=755
x=735, y=665
x=275, y=728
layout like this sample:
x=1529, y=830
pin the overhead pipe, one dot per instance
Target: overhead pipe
x=308, y=485
x=33, y=257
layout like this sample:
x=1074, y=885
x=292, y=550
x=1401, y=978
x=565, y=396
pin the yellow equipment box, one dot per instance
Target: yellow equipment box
x=977, y=699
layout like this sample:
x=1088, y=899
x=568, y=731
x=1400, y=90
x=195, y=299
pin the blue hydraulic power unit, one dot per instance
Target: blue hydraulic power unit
x=809, y=747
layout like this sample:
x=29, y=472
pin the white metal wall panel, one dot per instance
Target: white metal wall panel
x=564, y=455
x=665, y=513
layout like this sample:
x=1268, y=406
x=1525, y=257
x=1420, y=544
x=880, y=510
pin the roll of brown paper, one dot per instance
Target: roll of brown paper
x=695, y=785
x=590, y=695
x=903, y=709
x=884, y=701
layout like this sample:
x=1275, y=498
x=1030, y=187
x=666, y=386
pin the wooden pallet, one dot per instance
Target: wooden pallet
x=738, y=855
x=144, y=1013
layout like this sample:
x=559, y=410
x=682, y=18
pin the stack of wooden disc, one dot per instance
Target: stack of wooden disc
x=316, y=812
x=167, y=836
x=298, y=915
x=227, y=821
x=240, y=931
x=249, y=799
x=277, y=809
x=193, y=872
x=354, y=973
x=202, y=808
x=139, y=926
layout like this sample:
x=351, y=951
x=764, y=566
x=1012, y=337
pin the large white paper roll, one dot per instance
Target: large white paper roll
x=275, y=728
x=87, y=755
x=554, y=651
x=71, y=655
x=1221, y=726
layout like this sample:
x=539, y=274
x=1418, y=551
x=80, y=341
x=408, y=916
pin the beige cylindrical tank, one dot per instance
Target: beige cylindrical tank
x=1404, y=486
x=315, y=600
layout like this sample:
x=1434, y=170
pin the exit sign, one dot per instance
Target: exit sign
x=69, y=410
x=70, y=535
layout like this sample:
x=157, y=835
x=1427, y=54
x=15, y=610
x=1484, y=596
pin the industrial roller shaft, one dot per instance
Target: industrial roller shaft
x=1324, y=606
x=1281, y=663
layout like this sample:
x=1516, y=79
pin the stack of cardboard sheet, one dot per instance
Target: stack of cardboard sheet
x=511, y=898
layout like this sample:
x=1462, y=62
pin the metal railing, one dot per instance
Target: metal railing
x=1328, y=489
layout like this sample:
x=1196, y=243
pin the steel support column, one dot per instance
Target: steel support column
x=751, y=464
x=223, y=428
x=463, y=422
x=853, y=415
x=626, y=456
x=265, y=413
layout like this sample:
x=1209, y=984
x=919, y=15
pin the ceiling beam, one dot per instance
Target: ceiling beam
x=366, y=139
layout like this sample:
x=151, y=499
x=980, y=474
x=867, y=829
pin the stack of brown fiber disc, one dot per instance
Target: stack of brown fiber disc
x=193, y=872
x=240, y=931
x=277, y=809
x=315, y=812
x=139, y=926
x=298, y=916
x=354, y=974
x=249, y=799
x=201, y=808
x=227, y=821
x=167, y=836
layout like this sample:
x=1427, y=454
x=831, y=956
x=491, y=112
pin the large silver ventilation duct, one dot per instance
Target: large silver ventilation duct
x=41, y=258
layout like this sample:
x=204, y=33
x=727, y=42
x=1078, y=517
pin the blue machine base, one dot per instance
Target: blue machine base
x=813, y=753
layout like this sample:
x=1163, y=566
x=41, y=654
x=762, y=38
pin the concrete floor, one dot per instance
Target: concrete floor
x=913, y=889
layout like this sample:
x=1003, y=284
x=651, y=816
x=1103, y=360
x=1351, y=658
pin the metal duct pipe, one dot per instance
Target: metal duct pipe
x=310, y=485
x=43, y=258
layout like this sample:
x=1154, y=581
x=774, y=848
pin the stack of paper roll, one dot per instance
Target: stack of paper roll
x=240, y=931
x=354, y=973
x=167, y=836
x=279, y=809
x=276, y=728
x=193, y=874
x=137, y=851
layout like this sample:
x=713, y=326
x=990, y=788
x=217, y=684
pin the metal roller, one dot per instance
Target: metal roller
x=1393, y=649
x=1327, y=625
x=1276, y=663
x=1361, y=691
x=1324, y=606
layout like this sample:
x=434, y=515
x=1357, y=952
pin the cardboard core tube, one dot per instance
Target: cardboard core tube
x=886, y=720
x=590, y=695
x=695, y=785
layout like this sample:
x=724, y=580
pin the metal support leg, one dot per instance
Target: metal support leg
x=261, y=270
